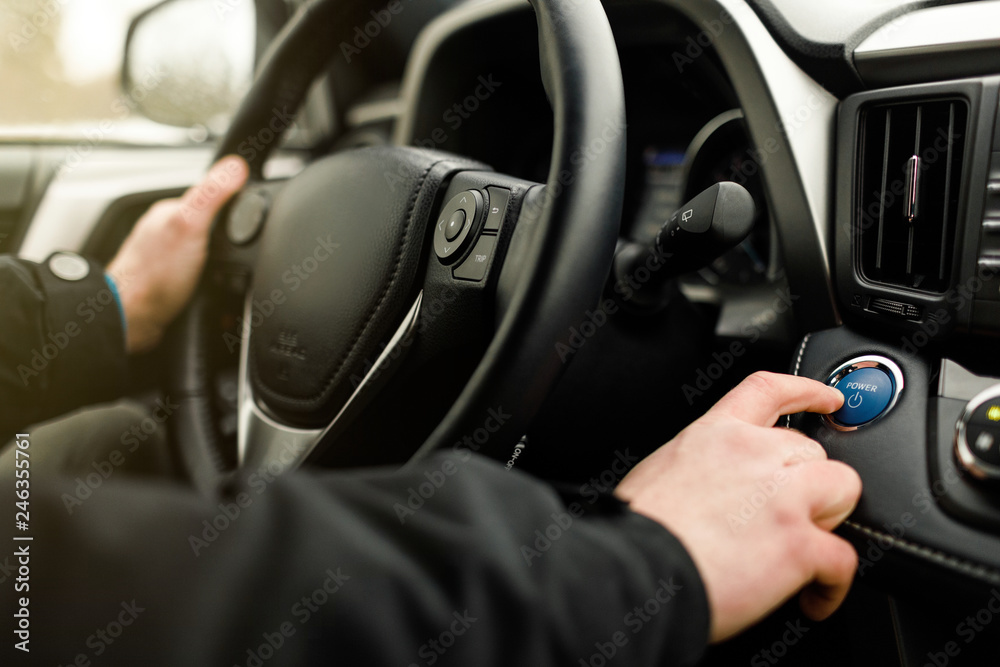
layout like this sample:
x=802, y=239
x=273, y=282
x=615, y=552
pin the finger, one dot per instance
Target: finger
x=796, y=447
x=832, y=491
x=763, y=397
x=836, y=562
x=201, y=203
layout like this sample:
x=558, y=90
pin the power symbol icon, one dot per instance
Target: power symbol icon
x=854, y=401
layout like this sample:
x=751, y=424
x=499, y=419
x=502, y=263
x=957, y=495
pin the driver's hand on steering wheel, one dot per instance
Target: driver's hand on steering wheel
x=754, y=505
x=158, y=266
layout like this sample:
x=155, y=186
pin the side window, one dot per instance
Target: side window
x=62, y=64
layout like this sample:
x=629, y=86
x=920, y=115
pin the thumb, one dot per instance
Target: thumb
x=201, y=203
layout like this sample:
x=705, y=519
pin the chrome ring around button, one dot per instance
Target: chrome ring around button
x=887, y=366
x=972, y=463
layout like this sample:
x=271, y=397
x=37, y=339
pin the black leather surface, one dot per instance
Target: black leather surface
x=574, y=226
x=899, y=526
x=575, y=229
x=342, y=249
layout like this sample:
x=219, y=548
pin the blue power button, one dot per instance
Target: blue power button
x=867, y=392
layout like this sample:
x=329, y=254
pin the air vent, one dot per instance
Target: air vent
x=910, y=166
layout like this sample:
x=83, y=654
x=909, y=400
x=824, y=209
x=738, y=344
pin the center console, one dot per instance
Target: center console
x=917, y=260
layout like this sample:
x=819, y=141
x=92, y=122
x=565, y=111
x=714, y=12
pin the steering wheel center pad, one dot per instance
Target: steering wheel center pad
x=339, y=261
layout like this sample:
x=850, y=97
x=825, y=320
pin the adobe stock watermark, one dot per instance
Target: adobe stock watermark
x=634, y=621
x=967, y=629
x=294, y=277
x=225, y=7
x=257, y=482
x=705, y=378
x=419, y=494
x=591, y=492
x=363, y=35
x=32, y=25
x=104, y=637
x=452, y=118
x=792, y=635
x=302, y=611
x=895, y=190
x=881, y=541
x=611, y=133
x=626, y=286
x=207, y=193
x=935, y=321
x=121, y=108
x=696, y=46
x=131, y=440
x=253, y=144
x=434, y=648
x=430, y=310
x=765, y=490
x=59, y=339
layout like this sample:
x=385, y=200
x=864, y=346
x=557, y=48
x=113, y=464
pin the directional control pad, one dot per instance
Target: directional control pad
x=870, y=386
x=454, y=224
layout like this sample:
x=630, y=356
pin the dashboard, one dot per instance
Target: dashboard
x=873, y=159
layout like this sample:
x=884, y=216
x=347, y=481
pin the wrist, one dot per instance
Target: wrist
x=140, y=329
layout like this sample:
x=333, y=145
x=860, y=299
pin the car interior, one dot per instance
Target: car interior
x=491, y=225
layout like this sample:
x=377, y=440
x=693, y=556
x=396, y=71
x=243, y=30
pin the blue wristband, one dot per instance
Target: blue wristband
x=118, y=300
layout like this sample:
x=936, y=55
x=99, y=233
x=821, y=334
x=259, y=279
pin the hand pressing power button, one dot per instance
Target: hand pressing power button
x=870, y=386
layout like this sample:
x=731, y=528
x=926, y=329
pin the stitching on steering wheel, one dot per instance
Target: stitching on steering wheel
x=381, y=298
x=966, y=567
x=798, y=364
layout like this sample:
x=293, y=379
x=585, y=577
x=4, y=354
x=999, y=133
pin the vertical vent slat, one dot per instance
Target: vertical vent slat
x=909, y=158
x=916, y=152
x=947, y=190
x=882, y=192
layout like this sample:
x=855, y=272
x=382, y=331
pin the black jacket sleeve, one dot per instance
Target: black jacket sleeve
x=452, y=561
x=61, y=344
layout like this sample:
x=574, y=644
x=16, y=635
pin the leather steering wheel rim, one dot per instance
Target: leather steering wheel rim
x=568, y=246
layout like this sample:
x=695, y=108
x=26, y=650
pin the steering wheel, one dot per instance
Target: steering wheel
x=377, y=263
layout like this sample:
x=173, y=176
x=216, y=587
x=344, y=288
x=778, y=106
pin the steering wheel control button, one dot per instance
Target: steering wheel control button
x=474, y=267
x=977, y=438
x=247, y=216
x=455, y=223
x=455, y=226
x=68, y=266
x=870, y=386
x=498, y=208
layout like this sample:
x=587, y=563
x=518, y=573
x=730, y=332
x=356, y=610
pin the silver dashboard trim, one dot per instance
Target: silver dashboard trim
x=77, y=197
x=967, y=26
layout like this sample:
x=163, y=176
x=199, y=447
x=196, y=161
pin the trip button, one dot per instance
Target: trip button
x=870, y=386
x=474, y=267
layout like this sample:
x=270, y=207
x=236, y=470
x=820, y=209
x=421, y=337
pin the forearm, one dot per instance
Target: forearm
x=61, y=344
x=490, y=568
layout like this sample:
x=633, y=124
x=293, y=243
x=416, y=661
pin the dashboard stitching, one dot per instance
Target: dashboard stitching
x=967, y=567
x=798, y=364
